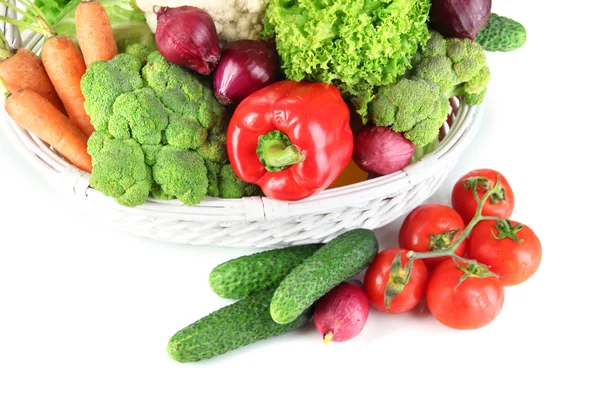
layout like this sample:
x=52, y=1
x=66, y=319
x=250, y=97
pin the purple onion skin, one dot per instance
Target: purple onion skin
x=459, y=18
x=381, y=151
x=245, y=67
x=187, y=36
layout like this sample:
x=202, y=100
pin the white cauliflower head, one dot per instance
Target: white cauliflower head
x=234, y=19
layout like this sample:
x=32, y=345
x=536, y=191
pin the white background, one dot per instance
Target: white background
x=86, y=308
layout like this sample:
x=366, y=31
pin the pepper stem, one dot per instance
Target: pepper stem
x=276, y=151
x=327, y=338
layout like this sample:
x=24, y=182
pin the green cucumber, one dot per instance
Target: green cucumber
x=501, y=34
x=240, y=277
x=338, y=260
x=236, y=325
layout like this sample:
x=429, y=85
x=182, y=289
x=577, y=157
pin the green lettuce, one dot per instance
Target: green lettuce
x=127, y=20
x=356, y=45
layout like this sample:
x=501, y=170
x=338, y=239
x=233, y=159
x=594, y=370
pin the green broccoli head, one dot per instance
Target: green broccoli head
x=415, y=107
x=181, y=173
x=164, y=112
x=104, y=81
x=231, y=186
x=119, y=169
x=457, y=65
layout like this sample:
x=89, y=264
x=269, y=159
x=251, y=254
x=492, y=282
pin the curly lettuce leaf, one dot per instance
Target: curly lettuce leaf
x=127, y=20
x=356, y=45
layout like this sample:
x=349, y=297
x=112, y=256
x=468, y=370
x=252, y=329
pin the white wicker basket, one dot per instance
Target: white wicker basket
x=256, y=221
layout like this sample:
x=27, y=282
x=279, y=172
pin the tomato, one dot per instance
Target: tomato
x=378, y=274
x=515, y=262
x=475, y=303
x=432, y=227
x=463, y=200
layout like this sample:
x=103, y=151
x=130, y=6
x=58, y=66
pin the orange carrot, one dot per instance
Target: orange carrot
x=24, y=70
x=36, y=114
x=62, y=60
x=65, y=67
x=94, y=33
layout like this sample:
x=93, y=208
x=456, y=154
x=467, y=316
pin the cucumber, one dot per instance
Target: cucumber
x=236, y=325
x=240, y=277
x=501, y=34
x=338, y=260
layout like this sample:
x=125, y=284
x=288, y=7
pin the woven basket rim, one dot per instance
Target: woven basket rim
x=66, y=177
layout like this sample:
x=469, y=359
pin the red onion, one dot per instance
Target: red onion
x=459, y=18
x=342, y=313
x=380, y=150
x=245, y=67
x=187, y=36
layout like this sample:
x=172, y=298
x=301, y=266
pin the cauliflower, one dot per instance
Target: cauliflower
x=234, y=19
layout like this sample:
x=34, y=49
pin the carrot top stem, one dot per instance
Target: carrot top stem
x=6, y=50
x=32, y=18
x=4, y=90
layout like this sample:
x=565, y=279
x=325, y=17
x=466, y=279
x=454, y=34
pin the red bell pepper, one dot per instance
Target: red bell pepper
x=293, y=139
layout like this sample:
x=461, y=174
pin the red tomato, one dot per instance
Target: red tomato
x=513, y=261
x=378, y=274
x=465, y=204
x=432, y=227
x=475, y=303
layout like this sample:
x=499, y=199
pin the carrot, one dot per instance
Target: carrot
x=36, y=114
x=94, y=33
x=62, y=60
x=24, y=70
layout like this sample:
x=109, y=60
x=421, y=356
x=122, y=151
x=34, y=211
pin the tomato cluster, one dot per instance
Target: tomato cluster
x=482, y=251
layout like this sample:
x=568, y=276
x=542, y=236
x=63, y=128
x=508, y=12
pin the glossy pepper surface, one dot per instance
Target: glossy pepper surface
x=293, y=139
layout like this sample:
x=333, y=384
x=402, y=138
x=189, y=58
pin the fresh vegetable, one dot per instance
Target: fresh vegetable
x=414, y=107
x=342, y=313
x=465, y=296
x=22, y=69
x=293, y=139
x=355, y=44
x=458, y=66
x=510, y=249
x=459, y=18
x=245, y=67
x=501, y=203
x=432, y=227
x=35, y=113
x=236, y=325
x=159, y=130
x=352, y=174
x=381, y=150
x=126, y=20
x=94, y=33
x=187, y=36
x=338, y=260
x=234, y=19
x=392, y=284
x=501, y=34
x=243, y=276
x=62, y=61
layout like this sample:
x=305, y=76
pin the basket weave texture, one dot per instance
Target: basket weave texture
x=254, y=221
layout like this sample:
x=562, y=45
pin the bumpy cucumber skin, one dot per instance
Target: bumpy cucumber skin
x=501, y=34
x=236, y=325
x=338, y=260
x=240, y=277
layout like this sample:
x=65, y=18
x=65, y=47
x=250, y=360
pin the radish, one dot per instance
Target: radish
x=342, y=313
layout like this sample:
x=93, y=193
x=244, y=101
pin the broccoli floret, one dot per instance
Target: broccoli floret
x=457, y=65
x=182, y=174
x=231, y=186
x=104, y=81
x=416, y=108
x=138, y=115
x=119, y=169
x=164, y=112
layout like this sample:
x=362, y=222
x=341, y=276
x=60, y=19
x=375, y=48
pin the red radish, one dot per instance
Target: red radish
x=342, y=313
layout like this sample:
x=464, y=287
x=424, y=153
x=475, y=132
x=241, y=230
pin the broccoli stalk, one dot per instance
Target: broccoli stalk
x=417, y=105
